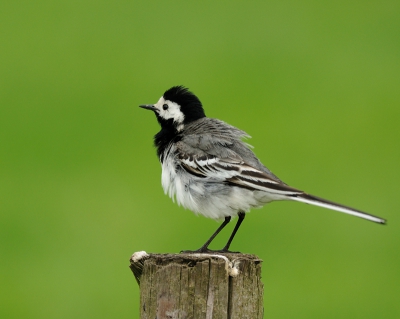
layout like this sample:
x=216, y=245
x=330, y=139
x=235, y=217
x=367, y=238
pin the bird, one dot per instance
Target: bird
x=208, y=168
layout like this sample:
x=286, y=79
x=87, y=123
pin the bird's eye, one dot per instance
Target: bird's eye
x=165, y=106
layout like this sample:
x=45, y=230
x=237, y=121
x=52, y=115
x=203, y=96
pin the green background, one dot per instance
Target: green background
x=317, y=85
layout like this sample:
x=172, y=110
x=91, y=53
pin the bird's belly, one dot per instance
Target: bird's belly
x=210, y=198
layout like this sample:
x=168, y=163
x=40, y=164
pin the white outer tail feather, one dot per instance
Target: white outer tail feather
x=313, y=200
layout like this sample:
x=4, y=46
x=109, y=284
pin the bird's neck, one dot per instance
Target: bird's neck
x=164, y=138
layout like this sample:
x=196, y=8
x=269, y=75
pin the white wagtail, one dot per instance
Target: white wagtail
x=209, y=169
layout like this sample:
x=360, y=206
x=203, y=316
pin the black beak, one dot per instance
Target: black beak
x=148, y=107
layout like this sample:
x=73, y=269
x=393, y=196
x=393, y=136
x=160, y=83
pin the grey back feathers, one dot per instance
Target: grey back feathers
x=213, y=137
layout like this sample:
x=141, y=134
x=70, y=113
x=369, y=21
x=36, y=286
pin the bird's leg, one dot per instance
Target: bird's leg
x=240, y=220
x=204, y=248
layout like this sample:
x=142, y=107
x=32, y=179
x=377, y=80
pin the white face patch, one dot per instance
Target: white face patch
x=172, y=110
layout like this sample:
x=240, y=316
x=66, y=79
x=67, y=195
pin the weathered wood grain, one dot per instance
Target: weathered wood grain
x=197, y=286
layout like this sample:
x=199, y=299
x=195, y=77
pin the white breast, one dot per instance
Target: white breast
x=210, y=197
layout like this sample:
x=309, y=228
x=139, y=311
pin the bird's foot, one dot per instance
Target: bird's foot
x=205, y=250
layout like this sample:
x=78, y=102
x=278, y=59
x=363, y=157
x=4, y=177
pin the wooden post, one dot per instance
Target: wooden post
x=197, y=286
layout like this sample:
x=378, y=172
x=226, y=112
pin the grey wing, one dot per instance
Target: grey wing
x=217, y=138
x=214, y=150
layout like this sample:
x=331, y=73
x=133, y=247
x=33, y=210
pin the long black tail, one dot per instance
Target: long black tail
x=317, y=201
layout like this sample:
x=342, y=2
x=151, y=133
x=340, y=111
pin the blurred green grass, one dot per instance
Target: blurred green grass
x=316, y=85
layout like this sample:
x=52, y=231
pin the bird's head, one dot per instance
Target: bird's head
x=177, y=107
